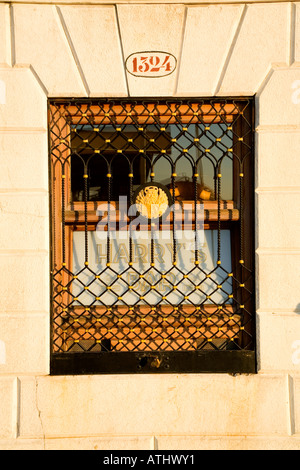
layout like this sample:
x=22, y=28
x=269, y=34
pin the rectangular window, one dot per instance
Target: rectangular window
x=152, y=205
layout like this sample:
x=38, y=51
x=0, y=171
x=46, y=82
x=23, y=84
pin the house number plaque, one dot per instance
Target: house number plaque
x=151, y=64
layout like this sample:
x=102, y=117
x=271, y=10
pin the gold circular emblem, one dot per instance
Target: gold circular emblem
x=152, y=200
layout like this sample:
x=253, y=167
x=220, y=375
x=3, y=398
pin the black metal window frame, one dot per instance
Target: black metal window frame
x=241, y=359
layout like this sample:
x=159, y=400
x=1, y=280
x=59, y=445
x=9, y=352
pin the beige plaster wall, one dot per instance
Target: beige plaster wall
x=222, y=49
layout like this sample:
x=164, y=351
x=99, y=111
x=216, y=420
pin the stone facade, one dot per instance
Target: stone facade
x=66, y=50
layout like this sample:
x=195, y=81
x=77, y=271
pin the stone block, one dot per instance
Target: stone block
x=278, y=342
x=175, y=443
x=25, y=217
x=42, y=42
x=26, y=340
x=277, y=212
x=5, y=44
x=130, y=405
x=22, y=444
x=125, y=443
x=262, y=40
x=24, y=280
x=94, y=34
x=277, y=150
x=279, y=99
x=6, y=408
x=227, y=443
x=22, y=93
x=209, y=32
x=30, y=420
x=296, y=403
x=151, y=28
x=297, y=33
x=277, y=275
x=23, y=161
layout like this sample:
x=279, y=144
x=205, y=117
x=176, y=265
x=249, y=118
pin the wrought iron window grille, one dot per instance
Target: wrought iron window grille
x=152, y=235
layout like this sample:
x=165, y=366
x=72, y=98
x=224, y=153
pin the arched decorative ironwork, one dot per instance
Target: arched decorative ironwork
x=174, y=290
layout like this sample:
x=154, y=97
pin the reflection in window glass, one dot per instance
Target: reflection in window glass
x=151, y=150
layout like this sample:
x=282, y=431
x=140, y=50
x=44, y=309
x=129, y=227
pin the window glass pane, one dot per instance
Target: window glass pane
x=179, y=149
x=194, y=287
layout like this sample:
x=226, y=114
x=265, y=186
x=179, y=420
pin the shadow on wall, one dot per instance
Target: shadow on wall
x=297, y=309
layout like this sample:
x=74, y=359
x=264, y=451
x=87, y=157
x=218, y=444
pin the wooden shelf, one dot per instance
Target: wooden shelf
x=76, y=213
